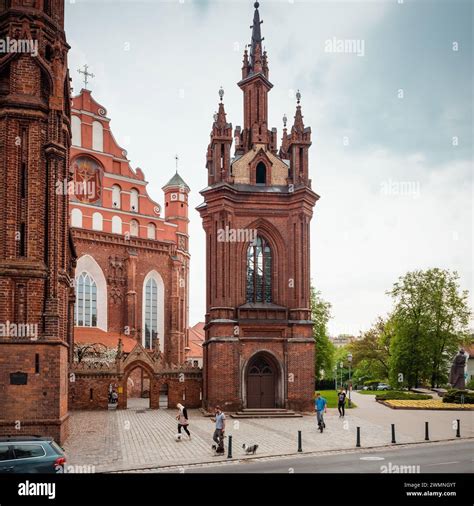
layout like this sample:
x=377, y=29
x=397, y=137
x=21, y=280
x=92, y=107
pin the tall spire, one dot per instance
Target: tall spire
x=257, y=38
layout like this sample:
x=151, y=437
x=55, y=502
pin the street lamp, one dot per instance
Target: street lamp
x=349, y=359
x=335, y=377
x=341, y=365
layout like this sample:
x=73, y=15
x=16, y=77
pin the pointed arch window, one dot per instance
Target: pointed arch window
x=259, y=271
x=261, y=173
x=86, y=301
x=151, y=312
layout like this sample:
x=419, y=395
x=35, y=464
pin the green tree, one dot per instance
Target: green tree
x=324, y=352
x=371, y=353
x=430, y=321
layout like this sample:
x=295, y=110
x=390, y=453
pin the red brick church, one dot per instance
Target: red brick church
x=259, y=349
x=132, y=268
x=87, y=256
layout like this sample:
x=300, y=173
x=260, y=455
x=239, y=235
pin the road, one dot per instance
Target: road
x=455, y=457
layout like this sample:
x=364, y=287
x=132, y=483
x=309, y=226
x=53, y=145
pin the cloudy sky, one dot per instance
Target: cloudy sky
x=392, y=123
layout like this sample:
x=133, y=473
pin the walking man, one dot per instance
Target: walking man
x=341, y=403
x=320, y=405
x=218, y=437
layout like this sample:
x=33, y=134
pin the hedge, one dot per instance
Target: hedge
x=454, y=396
x=401, y=396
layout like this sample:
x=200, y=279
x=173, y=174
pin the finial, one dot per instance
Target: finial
x=298, y=97
x=221, y=93
x=256, y=5
x=285, y=119
x=177, y=160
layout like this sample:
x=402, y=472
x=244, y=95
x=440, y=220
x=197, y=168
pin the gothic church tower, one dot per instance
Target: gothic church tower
x=259, y=349
x=36, y=252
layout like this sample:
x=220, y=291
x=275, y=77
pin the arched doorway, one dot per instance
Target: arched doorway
x=164, y=396
x=262, y=379
x=138, y=388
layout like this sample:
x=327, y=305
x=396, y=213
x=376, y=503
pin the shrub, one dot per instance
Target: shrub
x=470, y=384
x=325, y=384
x=454, y=396
x=401, y=396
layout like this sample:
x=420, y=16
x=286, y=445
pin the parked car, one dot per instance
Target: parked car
x=383, y=386
x=30, y=454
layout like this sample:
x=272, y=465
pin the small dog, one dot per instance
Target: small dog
x=178, y=438
x=217, y=450
x=250, y=449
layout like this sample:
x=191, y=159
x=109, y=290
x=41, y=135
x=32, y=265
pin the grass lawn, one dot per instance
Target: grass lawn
x=331, y=397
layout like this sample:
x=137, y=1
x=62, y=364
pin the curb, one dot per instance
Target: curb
x=304, y=454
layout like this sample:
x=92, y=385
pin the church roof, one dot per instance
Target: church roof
x=176, y=180
x=92, y=335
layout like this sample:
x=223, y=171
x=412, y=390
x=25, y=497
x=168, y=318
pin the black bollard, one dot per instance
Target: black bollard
x=358, y=437
x=393, y=434
x=229, y=449
x=458, y=428
x=427, y=432
x=300, y=444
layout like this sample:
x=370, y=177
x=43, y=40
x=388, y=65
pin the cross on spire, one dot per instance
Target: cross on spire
x=86, y=74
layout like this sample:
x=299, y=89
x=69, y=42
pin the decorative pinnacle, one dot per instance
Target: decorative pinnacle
x=285, y=119
x=215, y=116
x=256, y=5
x=177, y=160
x=221, y=93
x=298, y=97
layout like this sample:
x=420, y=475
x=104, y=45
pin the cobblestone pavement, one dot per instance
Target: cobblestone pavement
x=139, y=438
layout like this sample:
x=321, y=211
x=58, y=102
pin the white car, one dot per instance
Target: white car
x=383, y=386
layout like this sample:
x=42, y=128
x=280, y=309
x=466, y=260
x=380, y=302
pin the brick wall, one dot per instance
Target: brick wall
x=40, y=406
x=123, y=311
x=185, y=388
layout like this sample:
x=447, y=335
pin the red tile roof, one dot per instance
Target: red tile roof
x=91, y=335
x=196, y=338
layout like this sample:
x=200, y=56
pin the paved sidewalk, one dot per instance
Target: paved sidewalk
x=137, y=438
x=411, y=423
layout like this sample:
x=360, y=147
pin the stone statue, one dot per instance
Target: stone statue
x=456, y=376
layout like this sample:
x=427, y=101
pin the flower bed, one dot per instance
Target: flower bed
x=426, y=404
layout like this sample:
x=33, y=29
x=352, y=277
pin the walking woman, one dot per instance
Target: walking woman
x=182, y=418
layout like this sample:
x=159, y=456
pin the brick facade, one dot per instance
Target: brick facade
x=263, y=323
x=36, y=251
x=125, y=236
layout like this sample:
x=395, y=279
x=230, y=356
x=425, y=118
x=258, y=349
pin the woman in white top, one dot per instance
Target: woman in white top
x=182, y=418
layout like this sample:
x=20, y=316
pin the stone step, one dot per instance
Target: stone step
x=265, y=413
x=265, y=410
